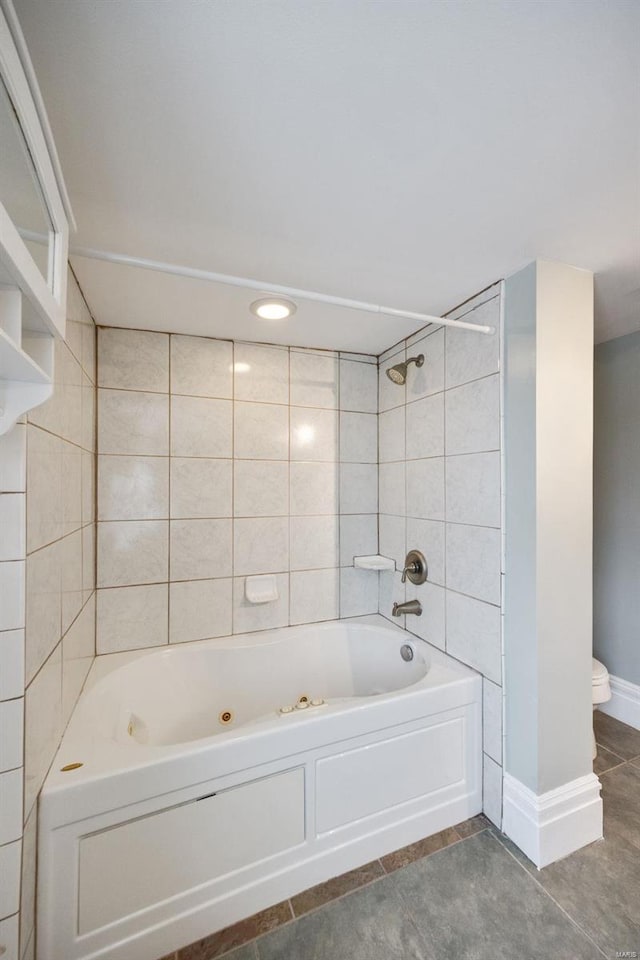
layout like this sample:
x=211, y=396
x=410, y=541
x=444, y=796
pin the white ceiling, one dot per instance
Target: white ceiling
x=403, y=152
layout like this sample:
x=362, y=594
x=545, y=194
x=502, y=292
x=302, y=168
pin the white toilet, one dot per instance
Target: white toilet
x=600, y=690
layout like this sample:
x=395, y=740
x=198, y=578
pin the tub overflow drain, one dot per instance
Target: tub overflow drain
x=226, y=716
x=406, y=652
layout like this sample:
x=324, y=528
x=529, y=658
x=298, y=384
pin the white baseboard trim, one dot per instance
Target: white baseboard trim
x=551, y=825
x=625, y=702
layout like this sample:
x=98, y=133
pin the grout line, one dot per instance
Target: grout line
x=289, y=583
x=444, y=506
x=369, y=883
x=169, y=451
x=616, y=767
x=544, y=890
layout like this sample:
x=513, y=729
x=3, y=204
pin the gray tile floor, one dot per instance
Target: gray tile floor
x=479, y=898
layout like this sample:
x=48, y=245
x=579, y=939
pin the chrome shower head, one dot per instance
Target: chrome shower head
x=398, y=373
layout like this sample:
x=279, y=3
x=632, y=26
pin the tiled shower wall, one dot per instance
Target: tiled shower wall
x=440, y=492
x=222, y=460
x=47, y=603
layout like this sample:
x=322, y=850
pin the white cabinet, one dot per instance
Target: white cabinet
x=34, y=233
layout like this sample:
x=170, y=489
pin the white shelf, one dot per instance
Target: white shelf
x=374, y=562
x=16, y=364
x=24, y=383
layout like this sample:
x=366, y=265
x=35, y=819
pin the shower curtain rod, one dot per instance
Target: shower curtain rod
x=273, y=288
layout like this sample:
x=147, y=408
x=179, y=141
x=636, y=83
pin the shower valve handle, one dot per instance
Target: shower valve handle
x=415, y=567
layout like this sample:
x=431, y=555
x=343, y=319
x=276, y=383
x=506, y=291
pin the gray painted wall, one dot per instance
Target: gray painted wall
x=616, y=574
x=548, y=629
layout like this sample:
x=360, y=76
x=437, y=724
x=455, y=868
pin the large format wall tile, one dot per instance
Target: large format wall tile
x=201, y=367
x=128, y=618
x=473, y=417
x=314, y=595
x=28, y=878
x=314, y=379
x=248, y=478
x=135, y=423
x=12, y=593
x=492, y=719
x=132, y=552
x=11, y=805
x=261, y=373
x=89, y=471
x=314, y=542
x=44, y=606
x=201, y=427
x=358, y=488
x=78, y=651
x=200, y=488
x=314, y=434
x=12, y=673
x=133, y=488
x=392, y=495
x=260, y=545
x=71, y=487
x=391, y=430
x=358, y=438
x=473, y=489
x=11, y=734
x=314, y=489
x=12, y=526
x=13, y=459
x=473, y=634
x=261, y=431
x=199, y=610
x=200, y=549
x=358, y=592
x=44, y=486
x=10, y=857
x=469, y=356
x=441, y=433
x=358, y=537
x=358, y=386
x=50, y=461
x=261, y=488
x=71, y=578
x=425, y=428
x=393, y=538
x=492, y=789
x=133, y=360
x=43, y=727
x=473, y=561
x=425, y=489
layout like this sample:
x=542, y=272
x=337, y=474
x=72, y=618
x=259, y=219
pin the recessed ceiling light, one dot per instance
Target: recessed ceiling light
x=273, y=308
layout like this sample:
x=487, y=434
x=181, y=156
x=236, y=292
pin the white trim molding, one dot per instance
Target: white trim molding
x=549, y=826
x=624, y=704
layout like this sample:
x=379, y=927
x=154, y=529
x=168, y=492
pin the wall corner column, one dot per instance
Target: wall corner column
x=552, y=802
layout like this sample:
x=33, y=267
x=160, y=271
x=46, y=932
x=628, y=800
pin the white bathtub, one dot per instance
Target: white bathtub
x=200, y=800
